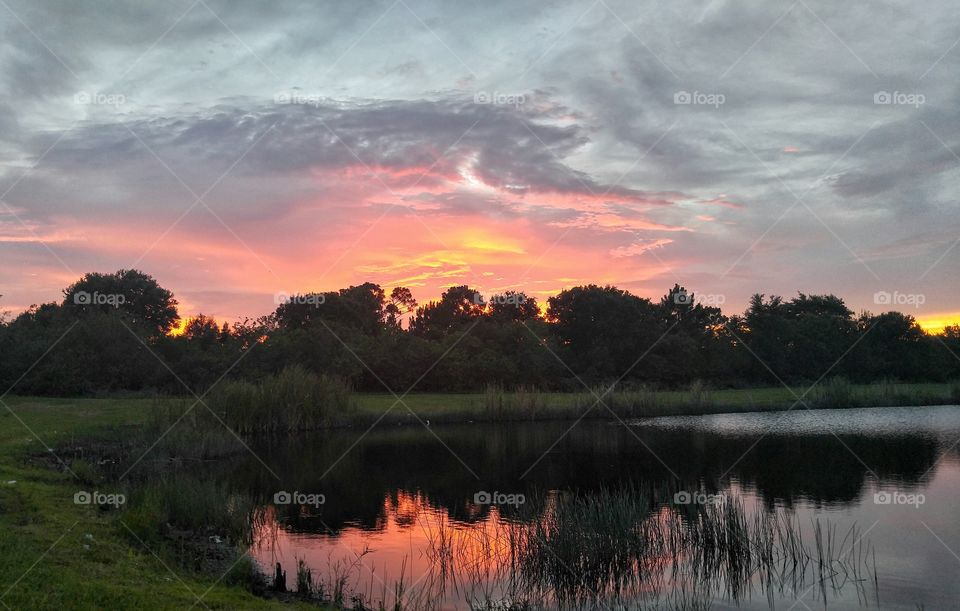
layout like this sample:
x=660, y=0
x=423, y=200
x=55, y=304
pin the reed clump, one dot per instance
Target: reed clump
x=184, y=430
x=293, y=400
x=698, y=396
x=837, y=392
x=523, y=403
x=622, y=545
x=624, y=403
x=180, y=506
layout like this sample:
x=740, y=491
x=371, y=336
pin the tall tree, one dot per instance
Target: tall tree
x=136, y=296
x=603, y=331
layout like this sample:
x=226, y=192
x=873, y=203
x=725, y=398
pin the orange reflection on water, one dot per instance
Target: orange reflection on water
x=441, y=563
x=413, y=542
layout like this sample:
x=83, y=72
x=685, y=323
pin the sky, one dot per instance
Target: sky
x=237, y=150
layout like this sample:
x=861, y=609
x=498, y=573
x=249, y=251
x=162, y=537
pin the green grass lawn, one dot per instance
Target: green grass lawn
x=55, y=554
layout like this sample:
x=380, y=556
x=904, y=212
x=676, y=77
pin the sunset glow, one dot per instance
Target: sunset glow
x=261, y=172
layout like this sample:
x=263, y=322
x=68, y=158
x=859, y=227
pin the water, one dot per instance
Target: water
x=394, y=496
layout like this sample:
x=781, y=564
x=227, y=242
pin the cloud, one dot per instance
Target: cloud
x=581, y=160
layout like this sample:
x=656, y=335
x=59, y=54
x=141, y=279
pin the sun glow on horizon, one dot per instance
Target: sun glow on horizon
x=934, y=324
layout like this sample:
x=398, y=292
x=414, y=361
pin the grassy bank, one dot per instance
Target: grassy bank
x=55, y=554
x=498, y=405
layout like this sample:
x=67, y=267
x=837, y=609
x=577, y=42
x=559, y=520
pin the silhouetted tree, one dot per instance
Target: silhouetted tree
x=131, y=293
x=401, y=303
x=601, y=332
x=458, y=305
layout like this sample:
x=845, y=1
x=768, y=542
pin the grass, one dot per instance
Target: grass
x=497, y=404
x=294, y=400
x=55, y=554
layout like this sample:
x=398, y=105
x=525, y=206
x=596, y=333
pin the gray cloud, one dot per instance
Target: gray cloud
x=394, y=88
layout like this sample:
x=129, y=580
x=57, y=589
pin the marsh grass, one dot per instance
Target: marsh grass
x=624, y=546
x=642, y=401
x=698, y=396
x=837, y=392
x=196, y=524
x=294, y=400
x=185, y=430
x=523, y=403
x=601, y=401
x=181, y=505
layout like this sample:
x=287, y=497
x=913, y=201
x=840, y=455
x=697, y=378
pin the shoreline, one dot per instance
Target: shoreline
x=79, y=544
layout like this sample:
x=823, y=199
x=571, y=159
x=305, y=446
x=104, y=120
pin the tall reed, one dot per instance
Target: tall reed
x=571, y=550
x=837, y=392
x=524, y=403
x=293, y=400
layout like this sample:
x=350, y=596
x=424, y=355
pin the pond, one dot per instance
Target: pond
x=839, y=509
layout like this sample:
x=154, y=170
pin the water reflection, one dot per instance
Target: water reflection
x=391, y=493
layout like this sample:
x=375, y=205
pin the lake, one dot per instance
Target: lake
x=840, y=509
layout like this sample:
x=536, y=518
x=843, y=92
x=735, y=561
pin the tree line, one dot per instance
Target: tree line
x=111, y=333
